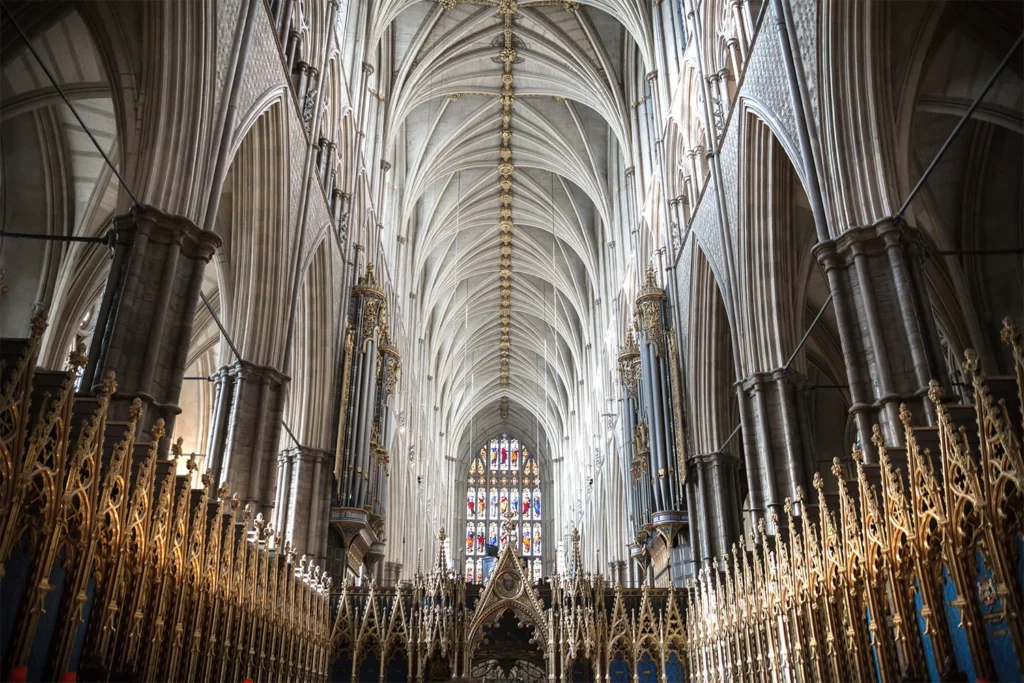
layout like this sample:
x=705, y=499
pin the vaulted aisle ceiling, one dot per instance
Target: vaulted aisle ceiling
x=499, y=128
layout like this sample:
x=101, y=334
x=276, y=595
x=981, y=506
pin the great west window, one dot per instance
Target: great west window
x=503, y=479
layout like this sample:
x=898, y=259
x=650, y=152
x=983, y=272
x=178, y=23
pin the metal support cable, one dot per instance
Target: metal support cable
x=120, y=179
x=54, y=238
x=959, y=126
x=810, y=329
x=238, y=356
x=220, y=326
x=64, y=97
x=803, y=340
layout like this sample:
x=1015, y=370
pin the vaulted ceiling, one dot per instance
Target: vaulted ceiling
x=501, y=123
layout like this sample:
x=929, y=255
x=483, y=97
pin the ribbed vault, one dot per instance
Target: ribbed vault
x=443, y=142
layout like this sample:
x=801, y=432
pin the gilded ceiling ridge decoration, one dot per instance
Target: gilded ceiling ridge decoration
x=508, y=10
x=508, y=56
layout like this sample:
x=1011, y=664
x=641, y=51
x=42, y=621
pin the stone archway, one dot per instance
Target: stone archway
x=508, y=611
x=508, y=648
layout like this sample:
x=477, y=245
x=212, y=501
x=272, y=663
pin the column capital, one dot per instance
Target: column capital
x=264, y=374
x=304, y=454
x=165, y=229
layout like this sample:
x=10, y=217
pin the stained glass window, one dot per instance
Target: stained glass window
x=503, y=480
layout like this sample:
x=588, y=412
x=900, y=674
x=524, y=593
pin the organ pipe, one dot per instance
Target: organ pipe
x=657, y=391
x=370, y=370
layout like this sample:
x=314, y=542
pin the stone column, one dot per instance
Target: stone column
x=715, y=481
x=304, y=471
x=890, y=340
x=144, y=324
x=283, y=20
x=244, y=452
x=291, y=48
x=314, y=500
x=742, y=39
x=392, y=571
x=777, y=456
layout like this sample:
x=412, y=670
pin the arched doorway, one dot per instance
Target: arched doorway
x=508, y=651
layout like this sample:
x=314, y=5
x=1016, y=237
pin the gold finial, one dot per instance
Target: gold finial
x=1010, y=334
x=135, y=411
x=905, y=415
x=787, y=506
x=935, y=392
x=876, y=437
x=817, y=482
x=158, y=429
x=837, y=468
x=970, y=363
x=77, y=358
x=39, y=320
x=223, y=491
x=109, y=386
